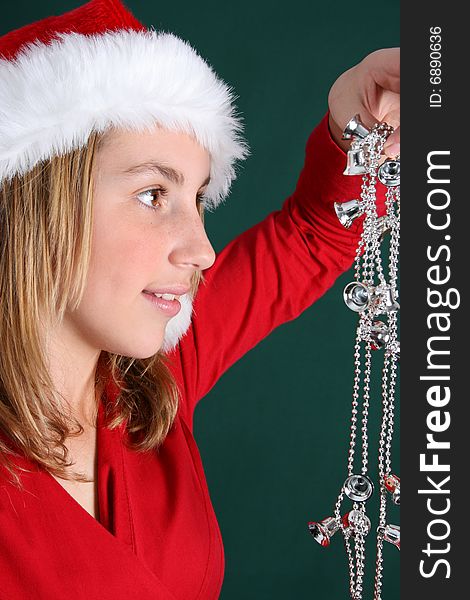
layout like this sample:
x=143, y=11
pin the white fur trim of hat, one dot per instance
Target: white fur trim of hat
x=53, y=96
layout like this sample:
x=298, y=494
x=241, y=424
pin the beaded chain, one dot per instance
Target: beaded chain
x=371, y=295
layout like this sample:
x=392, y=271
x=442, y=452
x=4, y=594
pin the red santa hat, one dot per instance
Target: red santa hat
x=96, y=67
x=66, y=76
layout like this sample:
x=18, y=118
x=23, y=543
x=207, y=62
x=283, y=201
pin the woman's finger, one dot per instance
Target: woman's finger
x=384, y=67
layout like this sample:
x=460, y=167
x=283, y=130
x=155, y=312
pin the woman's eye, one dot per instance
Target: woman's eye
x=152, y=197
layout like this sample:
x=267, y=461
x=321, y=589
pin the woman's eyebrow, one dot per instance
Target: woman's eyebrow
x=153, y=167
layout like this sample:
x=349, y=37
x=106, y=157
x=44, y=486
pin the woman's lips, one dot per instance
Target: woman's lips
x=169, y=307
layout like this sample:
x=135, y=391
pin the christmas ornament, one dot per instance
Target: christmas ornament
x=348, y=211
x=372, y=294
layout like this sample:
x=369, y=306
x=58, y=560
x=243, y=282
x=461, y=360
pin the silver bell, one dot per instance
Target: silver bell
x=389, y=172
x=379, y=335
x=358, y=488
x=391, y=534
x=355, y=162
x=385, y=298
x=323, y=530
x=356, y=522
x=348, y=211
x=357, y=296
x=355, y=129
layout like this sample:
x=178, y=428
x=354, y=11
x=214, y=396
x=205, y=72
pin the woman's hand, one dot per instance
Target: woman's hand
x=372, y=89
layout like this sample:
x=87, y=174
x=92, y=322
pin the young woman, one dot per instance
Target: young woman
x=117, y=316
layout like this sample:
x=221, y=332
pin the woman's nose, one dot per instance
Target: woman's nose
x=193, y=247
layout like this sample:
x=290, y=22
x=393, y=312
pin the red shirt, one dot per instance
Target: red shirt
x=157, y=537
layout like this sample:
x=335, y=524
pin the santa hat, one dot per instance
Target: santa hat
x=66, y=76
x=94, y=67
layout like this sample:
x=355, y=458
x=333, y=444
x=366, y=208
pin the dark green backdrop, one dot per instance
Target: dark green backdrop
x=273, y=433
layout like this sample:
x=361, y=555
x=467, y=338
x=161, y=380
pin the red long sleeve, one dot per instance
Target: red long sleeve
x=273, y=271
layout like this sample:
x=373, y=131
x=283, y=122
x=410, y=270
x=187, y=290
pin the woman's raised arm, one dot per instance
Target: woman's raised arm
x=275, y=270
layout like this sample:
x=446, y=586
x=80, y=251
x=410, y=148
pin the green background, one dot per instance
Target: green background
x=273, y=433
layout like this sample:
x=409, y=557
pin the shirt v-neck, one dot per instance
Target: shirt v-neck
x=114, y=512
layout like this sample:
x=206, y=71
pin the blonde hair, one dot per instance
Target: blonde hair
x=45, y=241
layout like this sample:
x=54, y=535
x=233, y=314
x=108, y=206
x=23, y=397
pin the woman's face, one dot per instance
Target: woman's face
x=147, y=235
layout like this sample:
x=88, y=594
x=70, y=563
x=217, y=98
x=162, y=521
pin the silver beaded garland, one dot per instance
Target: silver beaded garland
x=371, y=295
